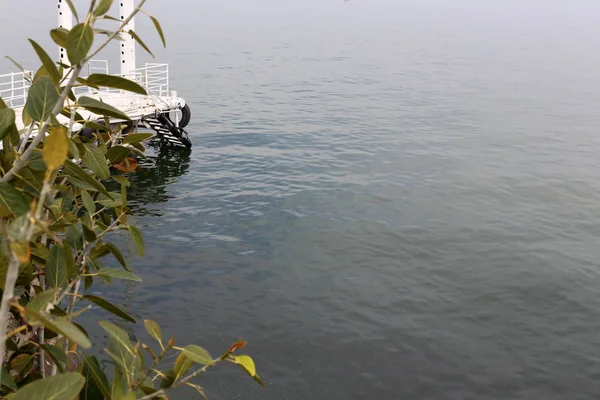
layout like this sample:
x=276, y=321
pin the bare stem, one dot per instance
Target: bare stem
x=9, y=291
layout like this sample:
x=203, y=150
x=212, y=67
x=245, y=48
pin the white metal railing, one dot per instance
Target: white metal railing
x=98, y=67
x=154, y=77
x=14, y=87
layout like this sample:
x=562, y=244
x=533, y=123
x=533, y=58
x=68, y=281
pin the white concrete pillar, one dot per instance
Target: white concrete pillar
x=126, y=7
x=65, y=20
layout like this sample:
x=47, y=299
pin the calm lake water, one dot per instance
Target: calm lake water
x=387, y=199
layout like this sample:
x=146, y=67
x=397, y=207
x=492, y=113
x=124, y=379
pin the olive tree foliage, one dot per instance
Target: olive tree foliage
x=56, y=216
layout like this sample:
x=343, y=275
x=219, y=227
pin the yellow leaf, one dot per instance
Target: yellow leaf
x=247, y=363
x=21, y=249
x=56, y=147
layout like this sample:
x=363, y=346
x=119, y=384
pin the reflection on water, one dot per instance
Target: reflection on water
x=163, y=166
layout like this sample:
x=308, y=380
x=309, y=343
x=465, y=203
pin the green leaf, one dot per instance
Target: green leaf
x=13, y=199
x=138, y=240
x=113, y=201
x=116, y=82
x=109, y=307
x=100, y=108
x=8, y=380
x=197, y=354
x=79, y=42
x=60, y=35
x=58, y=357
x=42, y=98
x=95, y=160
x=59, y=387
x=19, y=66
x=137, y=137
x=40, y=302
x=56, y=270
x=129, y=396
x=119, y=274
x=97, y=375
x=36, y=162
x=116, y=154
x=120, y=348
x=22, y=364
x=70, y=261
x=140, y=42
x=119, y=384
x=103, y=7
x=118, y=255
x=56, y=147
x=88, y=234
x=88, y=202
x=46, y=62
x=63, y=326
x=159, y=30
x=76, y=171
x=182, y=365
x=153, y=329
x=7, y=121
x=246, y=363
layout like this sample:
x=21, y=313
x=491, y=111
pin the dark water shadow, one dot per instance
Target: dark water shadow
x=149, y=184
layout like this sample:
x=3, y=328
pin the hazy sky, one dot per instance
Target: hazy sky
x=189, y=24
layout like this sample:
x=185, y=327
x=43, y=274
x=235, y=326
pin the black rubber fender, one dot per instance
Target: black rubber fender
x=186, y=116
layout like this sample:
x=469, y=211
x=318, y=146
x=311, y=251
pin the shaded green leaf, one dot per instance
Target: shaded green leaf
x=153, y=329
x=100, y=108
x=113, y=201
x=79, y=42
x=120, y=348
x=56, y=269
x=95, y=160
x=116, y=82
x=140, y=42
x=88, y=234
x=103, y=7
x=138, y=240
x=60, y=35
x=46, y=62
x=42, y=98
x=58, y=357
x=88, y=202
x=70, y=261
x=119, y=274
x=63, y=326
x=22, y=364
x=19, y=66
x=7, y=121
x=40, y=302
x=137, y=137
x=97, y=375
x=7, y=379
x=116, y=154
x=159, y=30
x=76, y=171
x=59, y=387
x=12, y=199
x=182, y=365
x=109, y=307
x=118, y=255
